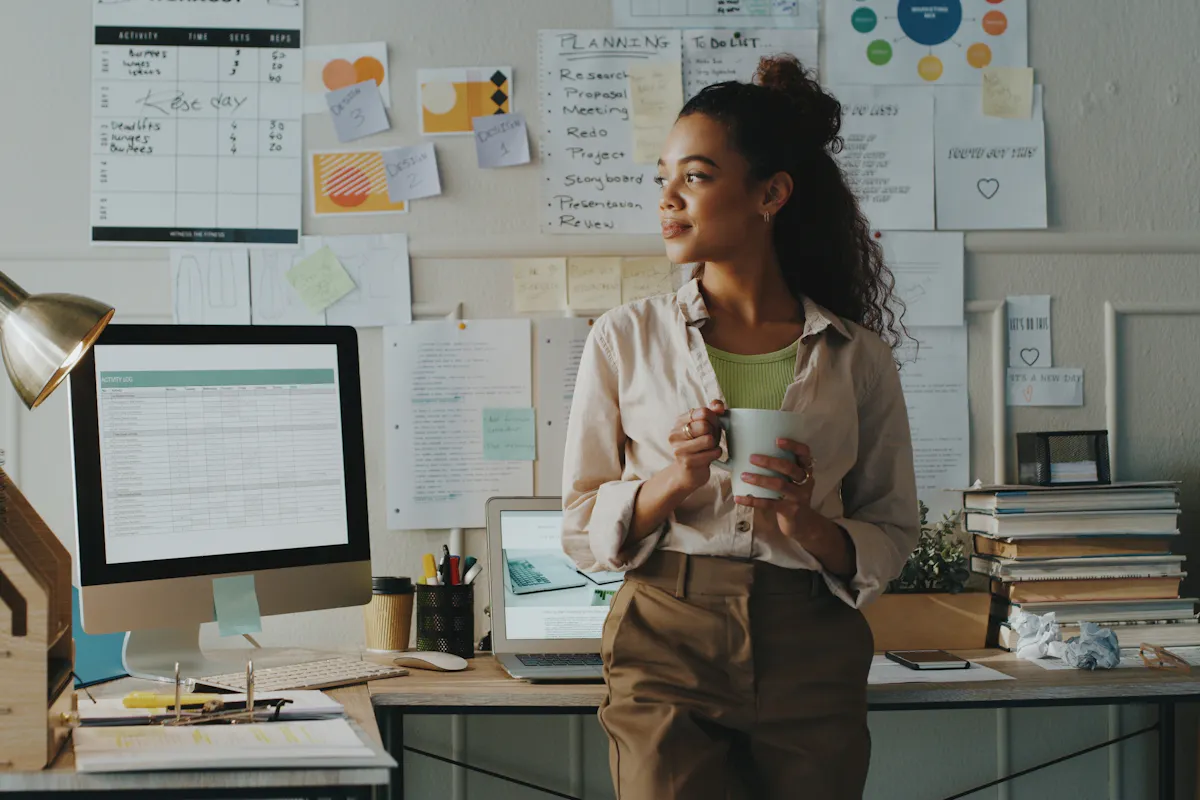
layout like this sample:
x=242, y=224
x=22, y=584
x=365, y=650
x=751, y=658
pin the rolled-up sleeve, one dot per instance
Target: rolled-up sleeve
x=598, y=499
x=879, y=494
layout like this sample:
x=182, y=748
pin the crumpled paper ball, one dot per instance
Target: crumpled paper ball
x=1039, y=636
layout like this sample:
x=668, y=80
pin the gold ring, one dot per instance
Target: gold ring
x=807, y=476
x=687, y=429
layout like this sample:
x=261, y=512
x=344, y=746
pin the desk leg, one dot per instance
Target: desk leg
x=391, y=728
x=1166, y=750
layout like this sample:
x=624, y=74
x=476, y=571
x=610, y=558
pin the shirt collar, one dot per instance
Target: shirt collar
x=816, y=318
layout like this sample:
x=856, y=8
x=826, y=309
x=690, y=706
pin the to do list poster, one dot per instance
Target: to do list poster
x=196, y=111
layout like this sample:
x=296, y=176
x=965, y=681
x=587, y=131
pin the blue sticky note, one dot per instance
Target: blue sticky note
x=509, y=434
x=97, y=657
x=236, y=605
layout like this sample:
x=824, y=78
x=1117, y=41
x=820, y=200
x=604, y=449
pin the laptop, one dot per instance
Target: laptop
x=547, y=616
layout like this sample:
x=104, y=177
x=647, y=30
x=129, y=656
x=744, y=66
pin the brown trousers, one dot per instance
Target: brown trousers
x=734, y=679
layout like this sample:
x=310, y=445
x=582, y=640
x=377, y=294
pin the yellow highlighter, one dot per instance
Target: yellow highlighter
x=430, y=566
x=155, y=700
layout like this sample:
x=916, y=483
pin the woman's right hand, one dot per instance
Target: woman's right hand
x=696, y=443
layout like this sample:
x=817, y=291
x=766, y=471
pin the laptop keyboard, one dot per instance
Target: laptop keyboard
x=560, y=659
x=523, y=574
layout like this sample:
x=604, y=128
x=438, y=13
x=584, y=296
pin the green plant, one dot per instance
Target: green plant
x=940, y=561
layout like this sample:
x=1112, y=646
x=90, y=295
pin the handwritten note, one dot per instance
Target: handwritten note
x=412, y=172
x=714, y=55
x=593, y=284
x=509, y=434
x=928, y=268
x=321, y=280
x=1008, y=92
x=235, y=605
x=646, y=277
x=990, y=173
x=1029, y=331
x=559, y=350
x=501, y=140
x=1045, y=387
x=357, y=111
x=590, y=180
x=540, y=284
x=656, y=95
x=378, y=264
x=888, y=154
x=274, y=301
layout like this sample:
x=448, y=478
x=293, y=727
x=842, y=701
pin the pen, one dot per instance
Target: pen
x=156, y=700
x=445, y=575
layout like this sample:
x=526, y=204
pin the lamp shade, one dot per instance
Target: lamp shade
x=43, y=337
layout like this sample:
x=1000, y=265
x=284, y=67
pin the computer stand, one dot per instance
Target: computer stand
x=152, y=654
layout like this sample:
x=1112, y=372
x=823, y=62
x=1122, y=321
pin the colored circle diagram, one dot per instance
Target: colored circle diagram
x=938, y=39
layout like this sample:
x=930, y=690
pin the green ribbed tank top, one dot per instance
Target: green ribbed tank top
x=758, y=381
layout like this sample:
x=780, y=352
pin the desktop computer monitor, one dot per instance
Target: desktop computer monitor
x=203, y=452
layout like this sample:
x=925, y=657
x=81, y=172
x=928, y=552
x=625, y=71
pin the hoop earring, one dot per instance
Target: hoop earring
x=767, y=217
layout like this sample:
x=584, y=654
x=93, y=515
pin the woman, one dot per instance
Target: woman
x=735, y=655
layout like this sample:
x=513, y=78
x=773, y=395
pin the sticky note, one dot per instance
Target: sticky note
x=646, y=277
x=1008, y=92
x=540, y=284
x=1060, y=386
x=320, y=280
x=357, y=111
x=656, y=95
x=593, y=284
x=509, y=434
x=412, y=172
x=501, y=140
x=235, y=604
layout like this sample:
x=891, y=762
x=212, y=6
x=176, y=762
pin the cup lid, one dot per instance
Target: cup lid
x=391, y=585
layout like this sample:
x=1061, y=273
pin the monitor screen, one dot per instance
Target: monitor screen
x=209, y=450
x=545, y=596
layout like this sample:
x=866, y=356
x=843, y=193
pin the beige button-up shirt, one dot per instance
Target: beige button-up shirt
x=645, y=363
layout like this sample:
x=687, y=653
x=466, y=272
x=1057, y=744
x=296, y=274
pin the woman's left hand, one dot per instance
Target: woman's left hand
x=793, y=513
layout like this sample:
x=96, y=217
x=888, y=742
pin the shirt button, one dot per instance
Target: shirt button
x=743, y=526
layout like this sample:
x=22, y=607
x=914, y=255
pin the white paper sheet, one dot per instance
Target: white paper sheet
x=331, y=66
x=714, y=55
x=714, y=13
x=210, y=286
x=990, y=172
x=888, y=155
x=273, y=300
x=935, y=390
x=439, y=376
x=196, y=111
x=1057, y=386
x=590, y=183
x=872, y=41
x=357, y=111
x=884, y=670
x=559, y=347
x=1029, y=331
x=929, y=275
x=379, y=266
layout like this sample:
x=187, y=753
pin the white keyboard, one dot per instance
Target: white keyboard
x=321, y=674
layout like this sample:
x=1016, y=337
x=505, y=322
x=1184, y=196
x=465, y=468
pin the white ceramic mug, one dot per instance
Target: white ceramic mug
x=751, y=431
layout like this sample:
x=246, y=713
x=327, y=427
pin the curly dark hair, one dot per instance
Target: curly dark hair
x=785, y=122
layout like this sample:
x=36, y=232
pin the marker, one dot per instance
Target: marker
x=429, y=565
x=472, y=574
x=454, y=574
x=468, y=562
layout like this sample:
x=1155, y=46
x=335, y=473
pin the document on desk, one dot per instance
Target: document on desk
x=305, y=704
x=319, y=743
x=439, y=377
x=559, y=345
x=884, y=670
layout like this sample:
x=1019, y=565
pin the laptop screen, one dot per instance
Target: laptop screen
x=545, y=596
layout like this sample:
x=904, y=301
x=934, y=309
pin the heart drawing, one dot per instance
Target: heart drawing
x=988, y=187
x=1030, y=355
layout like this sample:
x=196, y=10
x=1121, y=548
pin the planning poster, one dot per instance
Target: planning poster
x=196, y=112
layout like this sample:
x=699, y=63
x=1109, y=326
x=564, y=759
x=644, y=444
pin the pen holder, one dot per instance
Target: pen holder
x=446, y=619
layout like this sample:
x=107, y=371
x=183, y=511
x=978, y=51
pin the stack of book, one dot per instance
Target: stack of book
x=1087, y=553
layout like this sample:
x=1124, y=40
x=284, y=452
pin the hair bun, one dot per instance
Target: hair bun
x=820, y=114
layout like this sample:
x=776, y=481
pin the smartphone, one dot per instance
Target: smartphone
x=927, y=659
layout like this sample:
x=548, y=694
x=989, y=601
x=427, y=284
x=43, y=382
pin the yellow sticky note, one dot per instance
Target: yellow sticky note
x=594, y=284
x=646, y=277
x=1008, y=92
x=656, y=95
x=540, y=284
x=321, y=280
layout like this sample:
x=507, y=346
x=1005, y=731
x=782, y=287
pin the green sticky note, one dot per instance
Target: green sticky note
x=509, y=434
x=235, y=604
x=321, y=280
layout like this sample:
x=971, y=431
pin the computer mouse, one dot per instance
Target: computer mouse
x=431, y=659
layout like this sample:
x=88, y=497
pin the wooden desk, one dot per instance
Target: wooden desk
x=483, y=688
x=61, y=778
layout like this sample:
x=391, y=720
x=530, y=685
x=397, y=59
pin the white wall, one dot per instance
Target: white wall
x=1122, y=111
